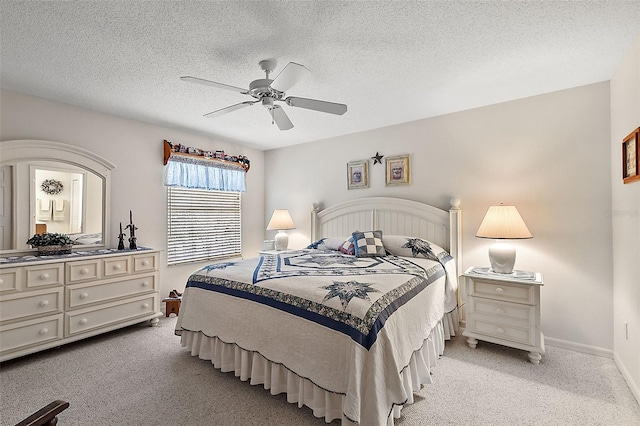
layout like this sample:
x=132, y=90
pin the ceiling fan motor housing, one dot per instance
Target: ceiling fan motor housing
x=262, y=87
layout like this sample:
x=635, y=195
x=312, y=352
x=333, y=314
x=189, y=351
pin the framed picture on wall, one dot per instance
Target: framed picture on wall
x=358, y=174
x=630, y=169
x=398, y=171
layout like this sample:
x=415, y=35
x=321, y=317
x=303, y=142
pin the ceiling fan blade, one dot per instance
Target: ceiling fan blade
x=281, y=118
x=316, y=105
x=213, y=83
x=289, y=77
x=229, y=109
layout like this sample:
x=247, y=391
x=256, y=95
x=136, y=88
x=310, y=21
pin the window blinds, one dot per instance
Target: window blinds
x=203, y=225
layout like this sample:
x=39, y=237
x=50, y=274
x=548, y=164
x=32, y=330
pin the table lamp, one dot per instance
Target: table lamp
x=281, y=220
x=503, y=223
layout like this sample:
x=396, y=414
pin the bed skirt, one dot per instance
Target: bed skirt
x=252, y=366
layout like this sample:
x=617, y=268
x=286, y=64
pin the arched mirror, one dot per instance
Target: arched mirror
x=52, y=187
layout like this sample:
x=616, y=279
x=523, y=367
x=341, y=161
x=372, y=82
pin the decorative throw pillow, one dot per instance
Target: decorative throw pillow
x=368, y=244
x=348, y=247
x=400, y=245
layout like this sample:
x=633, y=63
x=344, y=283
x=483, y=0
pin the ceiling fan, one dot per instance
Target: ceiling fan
x=268, y=91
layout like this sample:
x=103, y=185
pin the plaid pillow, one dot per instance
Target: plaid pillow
x=368, y=244
x=348, y=247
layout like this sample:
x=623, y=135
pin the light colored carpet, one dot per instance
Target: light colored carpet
x=141, y=376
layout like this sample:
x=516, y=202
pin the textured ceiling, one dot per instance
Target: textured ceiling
x=390, y=62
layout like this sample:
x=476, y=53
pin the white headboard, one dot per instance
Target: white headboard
x=394, y=216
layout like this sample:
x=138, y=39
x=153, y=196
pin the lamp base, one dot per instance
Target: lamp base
x=282, y=241
x=502, y=257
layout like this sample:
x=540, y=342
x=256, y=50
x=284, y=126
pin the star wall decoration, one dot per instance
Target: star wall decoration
x=348, y=290
x=377, y=159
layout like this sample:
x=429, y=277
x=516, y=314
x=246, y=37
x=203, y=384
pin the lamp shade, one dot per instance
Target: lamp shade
x=503, y=222
x=280, y=220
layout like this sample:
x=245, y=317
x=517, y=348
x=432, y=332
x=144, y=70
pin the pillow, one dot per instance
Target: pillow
x=348, y=247
x=330, y=243
x=401, y=245
x=368, y=244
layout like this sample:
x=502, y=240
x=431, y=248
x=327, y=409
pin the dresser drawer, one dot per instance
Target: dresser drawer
x=23, y=305
x=144, y=262
x=44, y=275
x=83, y=271
x=502, y=291
x=80, y=295
x=10, y=279
x=89, y=319
x=505, y=312
x=30, y=333
x=500, y=330
x=115, y=266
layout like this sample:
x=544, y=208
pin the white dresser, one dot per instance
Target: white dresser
x=47, y=303
x=504, y=309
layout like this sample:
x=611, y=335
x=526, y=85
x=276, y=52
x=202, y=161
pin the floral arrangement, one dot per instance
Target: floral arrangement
x=49, y=239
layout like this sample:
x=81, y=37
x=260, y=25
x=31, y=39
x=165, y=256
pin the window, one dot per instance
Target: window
x=202, y=225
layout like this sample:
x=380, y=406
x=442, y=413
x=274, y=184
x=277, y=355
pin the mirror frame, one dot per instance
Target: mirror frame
x=31, y=150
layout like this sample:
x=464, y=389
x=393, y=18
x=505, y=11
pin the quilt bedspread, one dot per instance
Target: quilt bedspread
x=328, y=317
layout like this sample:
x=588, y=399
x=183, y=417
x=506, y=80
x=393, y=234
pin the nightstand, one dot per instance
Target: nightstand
x=504, y=309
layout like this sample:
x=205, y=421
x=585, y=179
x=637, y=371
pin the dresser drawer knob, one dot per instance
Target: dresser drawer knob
x=117, y=267
x=500, y=330
x=499, y=290
x=84, y=271
x=84, y=295
x=44, y=276
x=145, y=305
x=1, y=281
x=499, y=310
x=145, y=283
x=145, y=263
x=83, y=321
x=44, y=303
x=43, y=331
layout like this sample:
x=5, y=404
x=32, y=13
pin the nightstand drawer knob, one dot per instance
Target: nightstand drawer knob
x=499, y=311
x=499, y=290
x=500, y=330
x=44, y=276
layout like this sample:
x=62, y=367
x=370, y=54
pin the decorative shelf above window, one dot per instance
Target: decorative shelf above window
x=217, y=158
x=198, y=169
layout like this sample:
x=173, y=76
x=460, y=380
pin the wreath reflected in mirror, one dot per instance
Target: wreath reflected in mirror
x=51, y=186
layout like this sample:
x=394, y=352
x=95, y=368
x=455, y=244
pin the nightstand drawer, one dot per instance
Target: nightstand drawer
x=504, y=311
x=502, y=291
x=498, y=330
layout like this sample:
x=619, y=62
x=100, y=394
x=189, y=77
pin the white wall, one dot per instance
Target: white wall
x=137, y=151
x=548, y=155
x=625, y=218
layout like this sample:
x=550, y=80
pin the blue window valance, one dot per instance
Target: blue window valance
x=193, y=172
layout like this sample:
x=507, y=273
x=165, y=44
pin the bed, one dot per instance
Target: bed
x=349, y=327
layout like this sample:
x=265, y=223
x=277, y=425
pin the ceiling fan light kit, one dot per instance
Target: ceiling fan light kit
x=268, y=91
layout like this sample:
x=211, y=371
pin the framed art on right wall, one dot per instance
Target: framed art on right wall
x=630, y=169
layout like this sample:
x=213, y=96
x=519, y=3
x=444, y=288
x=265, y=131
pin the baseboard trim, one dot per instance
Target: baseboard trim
x=579, y=347
x=627, y=377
